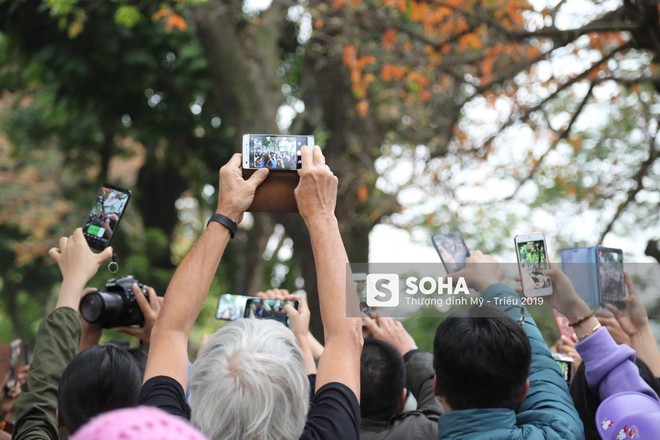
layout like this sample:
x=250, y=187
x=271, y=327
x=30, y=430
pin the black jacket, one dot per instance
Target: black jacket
x=421, y=423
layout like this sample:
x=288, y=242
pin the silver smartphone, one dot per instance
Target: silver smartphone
x=532, y=263
x=274, y=151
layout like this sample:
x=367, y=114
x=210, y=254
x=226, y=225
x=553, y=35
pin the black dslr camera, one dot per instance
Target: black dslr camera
x=114, y=306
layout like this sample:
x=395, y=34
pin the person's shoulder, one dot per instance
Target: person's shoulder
x=334, y=414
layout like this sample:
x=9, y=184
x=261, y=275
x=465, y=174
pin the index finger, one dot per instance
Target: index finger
x=371, y=325
x=632, y=290
x=318, y=157
x=235, y=161
x=306, y=158
x=141, y=299
x=289, y=309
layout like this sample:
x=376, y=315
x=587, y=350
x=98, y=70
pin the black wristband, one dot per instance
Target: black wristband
x=224, y=221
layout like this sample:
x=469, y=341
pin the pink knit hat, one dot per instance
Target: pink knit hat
x=139, y=423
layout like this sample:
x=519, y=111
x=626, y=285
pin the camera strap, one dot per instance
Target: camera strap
x=113, y=265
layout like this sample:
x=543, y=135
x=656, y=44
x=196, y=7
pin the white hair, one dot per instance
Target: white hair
x=249, y=383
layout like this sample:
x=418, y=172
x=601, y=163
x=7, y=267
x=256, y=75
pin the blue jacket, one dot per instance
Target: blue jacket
x=547, y=413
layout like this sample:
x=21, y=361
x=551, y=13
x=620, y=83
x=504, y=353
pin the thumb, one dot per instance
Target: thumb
x=258, y=176
x=55, y=254
x=105, y=255
x=290, y=310
x=137, y=332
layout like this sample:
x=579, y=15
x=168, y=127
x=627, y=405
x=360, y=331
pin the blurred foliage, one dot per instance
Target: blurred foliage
x=421, y=118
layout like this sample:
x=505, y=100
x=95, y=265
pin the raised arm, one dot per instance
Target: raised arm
x=609, y=368
x=316, y=195
x=419, y=363
x=57, y=340
x=548, y=397
x=634, y=321
x=168, y=350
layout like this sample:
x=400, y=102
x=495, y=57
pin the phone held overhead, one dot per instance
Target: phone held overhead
x=104, y=215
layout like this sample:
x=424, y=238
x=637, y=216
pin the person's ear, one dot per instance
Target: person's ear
x=524, y=392
x=402, y=400
x=436, y=387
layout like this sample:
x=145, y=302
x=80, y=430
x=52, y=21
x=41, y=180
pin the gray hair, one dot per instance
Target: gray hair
x=249, y=383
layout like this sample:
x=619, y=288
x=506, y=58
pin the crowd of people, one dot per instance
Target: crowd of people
x=490, y=375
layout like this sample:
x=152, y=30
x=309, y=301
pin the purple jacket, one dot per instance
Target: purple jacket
x=610, y=368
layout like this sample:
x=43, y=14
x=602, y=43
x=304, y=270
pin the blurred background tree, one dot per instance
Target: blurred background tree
x=470, y=115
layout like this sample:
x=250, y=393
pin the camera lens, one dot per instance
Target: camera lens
x=100, y=307
x=91, y=306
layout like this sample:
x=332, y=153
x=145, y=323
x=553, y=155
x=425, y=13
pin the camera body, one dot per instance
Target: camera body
x=115, y=305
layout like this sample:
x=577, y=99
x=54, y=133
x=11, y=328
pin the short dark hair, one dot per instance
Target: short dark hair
x=382, y=379
x=587, y=400
x=481, y=359
x=98, y=379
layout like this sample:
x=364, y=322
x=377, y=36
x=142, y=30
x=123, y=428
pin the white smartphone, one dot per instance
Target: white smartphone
x=532, y=263
x=274, y=151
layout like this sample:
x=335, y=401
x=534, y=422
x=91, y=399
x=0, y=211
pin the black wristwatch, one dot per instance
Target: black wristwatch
x=224, y=221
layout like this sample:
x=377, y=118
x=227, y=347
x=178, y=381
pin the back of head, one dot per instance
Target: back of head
x=249, y=383
x=587, y=400
x=139, y=423
x=99, y=379
x=481, y=360
x=382, y=379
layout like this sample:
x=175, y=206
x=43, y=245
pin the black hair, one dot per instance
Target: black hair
x=481, y=360
x=587, y=400
x=98, y=379
x=382, y=379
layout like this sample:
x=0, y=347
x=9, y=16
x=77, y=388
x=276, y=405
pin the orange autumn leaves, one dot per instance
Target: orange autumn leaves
x=171, y=19
x=422, y=38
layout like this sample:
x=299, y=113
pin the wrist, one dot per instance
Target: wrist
x=642, y=336
x=71, y=293
x=404, y=350
x=575, y=309
x=302, y=337
x=320, y=220
x=586, y=328
x=231, y=213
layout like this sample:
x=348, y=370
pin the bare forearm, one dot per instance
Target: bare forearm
x=331, y=261
x=308, y=355
x=645, y=345
x=70, y=293
x=190, y=284
x=183, y=301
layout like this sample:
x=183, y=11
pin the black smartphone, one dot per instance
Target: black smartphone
x=274, y=151
x=268, y=309
x=231, y=307
x=611, y=283
x=452, y=250
x=104, y=215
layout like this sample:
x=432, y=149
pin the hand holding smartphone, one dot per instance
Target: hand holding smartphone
x=532, y=263
x=452, y=250
x=596, y=273
x=104, y=216
x=274, y=151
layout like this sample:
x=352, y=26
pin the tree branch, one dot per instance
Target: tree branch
x=563, y=135
x=632, y=193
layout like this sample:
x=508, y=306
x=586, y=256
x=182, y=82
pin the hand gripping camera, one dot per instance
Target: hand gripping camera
x=114, y=306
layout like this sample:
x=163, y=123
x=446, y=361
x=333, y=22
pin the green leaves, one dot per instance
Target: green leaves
x=127, y=16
